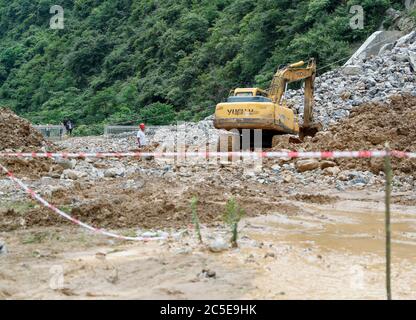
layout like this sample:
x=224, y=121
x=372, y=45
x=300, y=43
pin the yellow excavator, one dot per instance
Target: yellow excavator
x=253, y=108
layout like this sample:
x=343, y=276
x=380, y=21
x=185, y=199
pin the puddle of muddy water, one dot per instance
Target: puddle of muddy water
x=352, y=232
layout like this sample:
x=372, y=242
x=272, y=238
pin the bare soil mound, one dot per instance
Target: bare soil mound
x=17, y=133
x=150, y=204
x=369, y=127
x=32, y=168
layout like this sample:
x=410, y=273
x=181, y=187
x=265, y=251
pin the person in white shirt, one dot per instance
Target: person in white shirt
x=141, y=137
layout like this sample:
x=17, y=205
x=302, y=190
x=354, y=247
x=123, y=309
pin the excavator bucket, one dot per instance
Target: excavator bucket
x=310, y=131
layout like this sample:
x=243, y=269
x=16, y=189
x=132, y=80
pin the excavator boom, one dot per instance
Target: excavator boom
x=292, y=73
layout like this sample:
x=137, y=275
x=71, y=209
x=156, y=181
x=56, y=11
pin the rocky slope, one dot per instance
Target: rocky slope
x=369, y=127
x=370, y=80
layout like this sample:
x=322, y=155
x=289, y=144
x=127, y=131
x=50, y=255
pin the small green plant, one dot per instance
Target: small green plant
x=129, y=233
x=195, y=218
x=19, y=207
x=232, y=216
x=37, y=237
x=389, y=178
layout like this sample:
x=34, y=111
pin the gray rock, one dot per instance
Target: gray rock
x=307, y=165
x=339, y=186
x=114, y=172
x=359, y=179
x=406, y=39
x=402, y=57
x=352, y=70
x=66, y=164
x=386, y=47
x=218, y=245
x=331, y=171
x=73, y=174
x=3, y=249
x=372, y=79
x=276, y=168
x=393, y=14
x=412, y=60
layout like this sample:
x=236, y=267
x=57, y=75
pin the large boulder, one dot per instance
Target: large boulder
x=307, y=165
x=352, y=70
x=332, y=171
x=114, y=172
x=73, y=174
x=327, y=164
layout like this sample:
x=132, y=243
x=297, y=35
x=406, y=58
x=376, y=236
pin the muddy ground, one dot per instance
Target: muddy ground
x=331, y=249
x=314, y=234
x=370, y=127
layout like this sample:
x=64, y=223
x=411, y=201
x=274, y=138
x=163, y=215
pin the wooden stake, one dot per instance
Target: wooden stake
x=389, y=177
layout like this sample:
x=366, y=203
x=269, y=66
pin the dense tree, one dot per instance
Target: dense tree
x=123, y=61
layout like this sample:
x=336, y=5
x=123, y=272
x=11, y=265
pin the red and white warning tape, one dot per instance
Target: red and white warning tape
x=272, y=154
x=279, y=154
x=45, y=203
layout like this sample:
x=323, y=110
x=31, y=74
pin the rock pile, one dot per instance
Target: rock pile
x=17, y=133
x=166, y=137
x=115, y=143
x=369, y=127
x=370, y=80
x=190, y=134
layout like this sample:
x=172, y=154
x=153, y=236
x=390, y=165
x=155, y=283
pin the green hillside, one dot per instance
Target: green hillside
x=120, y=61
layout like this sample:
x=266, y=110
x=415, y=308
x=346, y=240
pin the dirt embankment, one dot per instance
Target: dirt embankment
x=369, y=127
x=17, y=133
x=147, y=203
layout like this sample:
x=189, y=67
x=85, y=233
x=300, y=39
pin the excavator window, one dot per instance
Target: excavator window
x=244, y=94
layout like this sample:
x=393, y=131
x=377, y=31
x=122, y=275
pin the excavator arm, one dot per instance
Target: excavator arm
x=292, y=73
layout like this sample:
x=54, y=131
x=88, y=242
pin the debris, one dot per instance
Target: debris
x=100, y=255
x=73, y=174
x=113, y=277
x=307, y=165
x=218, y=245
x=66, y=164
x=369, y=127
x=327, y=164
x=351, y=70
x=372, y=79
x=114, y=172
x=207, y=273
x=332, y=171
x=17, y=133
x=3, y=249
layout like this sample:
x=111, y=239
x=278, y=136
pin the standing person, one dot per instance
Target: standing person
x=65, y=123
x=69, y=127
x=141, y=137
x=48, y=131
